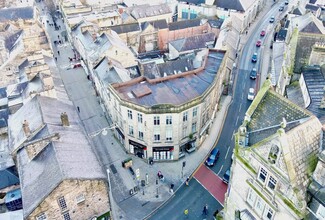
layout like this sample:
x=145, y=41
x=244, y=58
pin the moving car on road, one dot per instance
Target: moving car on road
x=213, y=158
x=254, y=58
x=272, y=19
x=253, y=74
x=281, y=8
x=258, y=43
x=262, y=34
x=251, y=94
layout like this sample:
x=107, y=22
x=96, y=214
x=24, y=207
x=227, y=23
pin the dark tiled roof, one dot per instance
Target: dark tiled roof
x=312, y=1
x=272, y=109
x=215, y=23
x=194, y=42
x=184, y=24
x=153, y=70
x=16, y=13
x=315, y=83
x=125, y=28
x=287, y=24
x=8, y=177
x=297, y=11
x=281, y=36
x=311, y=28
x=311, y=7
x=159, y=24
x=12, y=39
x=234, y=4
x=194, y=2
x=3, y=92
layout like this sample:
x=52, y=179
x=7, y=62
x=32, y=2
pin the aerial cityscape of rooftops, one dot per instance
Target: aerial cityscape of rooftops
x=162, y=109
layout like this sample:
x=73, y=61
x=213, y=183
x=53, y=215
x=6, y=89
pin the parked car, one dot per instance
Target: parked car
x=281, y=8
x=258, y=43
x=262, y=34
x=254, y=58
x=253, y=74
x=272, y=19
x=251, y=94
x=226, y=176
x=213, y=158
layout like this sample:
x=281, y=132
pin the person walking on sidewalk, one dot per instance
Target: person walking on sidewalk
x=205, y=210
x=186, y=213
x=187, y=181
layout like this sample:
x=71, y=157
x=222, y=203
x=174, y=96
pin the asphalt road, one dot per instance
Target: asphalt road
x=195, y=196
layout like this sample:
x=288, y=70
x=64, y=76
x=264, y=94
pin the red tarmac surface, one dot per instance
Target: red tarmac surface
x=212, y=183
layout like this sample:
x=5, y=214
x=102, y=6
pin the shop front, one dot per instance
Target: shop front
x=120, y=136
x=138, y=149
x=163, y=153
x=188, y=147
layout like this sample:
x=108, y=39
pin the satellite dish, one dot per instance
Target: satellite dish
x=104, y=132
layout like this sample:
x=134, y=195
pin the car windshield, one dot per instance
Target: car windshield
x=212, y=157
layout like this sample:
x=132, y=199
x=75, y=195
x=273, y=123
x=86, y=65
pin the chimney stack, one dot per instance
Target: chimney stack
x=26, y=128
x=65, y=119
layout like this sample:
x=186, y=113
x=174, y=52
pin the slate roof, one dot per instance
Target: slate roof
x=14, y=14
x=308, y=23
x=184, y=24
x=11, y=40
x=216, y=23
x=297, y=11
x=106, y=74
x=234, y=4
x=70, y=157
x=143, y=11
x=8, y=177
x=312, y=7
x=175, y=91
x=126, y=28
x=312, y=1
x=269, y=114
x=158, y=24
x=315, y=83
x=282, y=34
x=194, y=2
x=153, y=70
x=193, y=43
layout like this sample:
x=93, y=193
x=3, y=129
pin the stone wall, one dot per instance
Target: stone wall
x=95, y=202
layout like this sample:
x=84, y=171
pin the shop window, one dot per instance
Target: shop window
x=194, y=112
x=169, y=120
x=156, y=120
x=262, y=175
x=62, y=203
x=185, y=114
x=131, y=132
x=272, y=183
x=140, y=118
x=130, y=114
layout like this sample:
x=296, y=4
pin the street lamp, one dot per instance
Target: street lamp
x=102, y=131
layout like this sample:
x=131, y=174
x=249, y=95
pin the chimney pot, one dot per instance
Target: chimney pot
x=26, y=128
x=65, y=119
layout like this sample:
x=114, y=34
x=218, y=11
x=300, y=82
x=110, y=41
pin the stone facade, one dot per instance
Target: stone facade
x=84, y=199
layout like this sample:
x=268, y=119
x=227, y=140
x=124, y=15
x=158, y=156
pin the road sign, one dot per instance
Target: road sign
x=137, y=173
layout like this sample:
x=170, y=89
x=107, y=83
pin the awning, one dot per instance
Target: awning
x=120, y=132
x=137, y=145
x=163, y=148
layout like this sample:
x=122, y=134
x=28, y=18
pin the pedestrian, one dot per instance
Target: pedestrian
x=172, y=188
x=246, y=32
x=59, y=36
x=78, y=108
x=56, y=59
x=205, y=209
x=186, y=213
x=187, y=181
x=215, y=214
x=59, y=53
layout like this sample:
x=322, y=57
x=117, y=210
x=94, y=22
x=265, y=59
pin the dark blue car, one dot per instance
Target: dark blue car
x=212, y=159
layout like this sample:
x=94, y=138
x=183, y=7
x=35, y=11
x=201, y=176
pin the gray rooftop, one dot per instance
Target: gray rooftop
x=14, y=14
x=126, y=28
x=142, y=11
x=193, y=43
x=11, y=40
x=312, y=7
x=158, y=24
x=234, y=5
x=70, y=157
x=175, y=91
x=315, y=83
x=184, y=24
x=269, y=114
x=216, y=23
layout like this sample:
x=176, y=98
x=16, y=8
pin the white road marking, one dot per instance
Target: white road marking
x=242, y=95
x=240, y=106
x=227, y=152
x=233, y=134
x=220, y=170
x=237, y=120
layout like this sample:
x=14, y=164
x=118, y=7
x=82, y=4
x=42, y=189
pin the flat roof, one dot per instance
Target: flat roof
x=175, y=91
